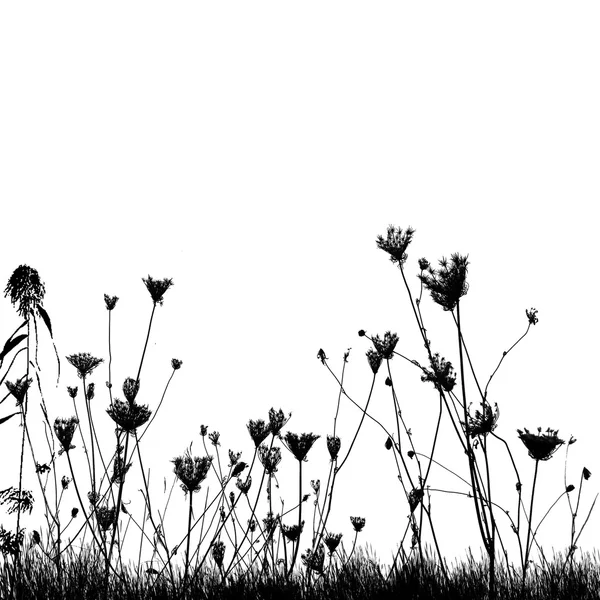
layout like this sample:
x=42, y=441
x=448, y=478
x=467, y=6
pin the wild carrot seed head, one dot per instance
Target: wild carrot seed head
x=385, y=347
x=299, y=445
x=157, y=288
x=396, y=243
x=110, y=301
x=84, y=362
x=64, y=430
x=25, y=288
x=333, y=446
x=128, y=415
x=258, y=431
x=19, y=388
x=448, y=283
x=358, y=523
x=541, y=446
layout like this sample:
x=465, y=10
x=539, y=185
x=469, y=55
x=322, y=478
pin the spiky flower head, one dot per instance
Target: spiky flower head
x=292, y=532
x=25, y=288
x=448, y=283
x=374, y=359
x=128, y=415
x=119, y=470
x=176, y=363
x=532, y=316
x=277, y=420
x=441, y=374
x=105, y=517
x=218, y=552
x=543, y=445
x=84, y=362
x=396, y=243
x=214, y=436
x=269, y=458
x=191, y=470
x=110, y=301
x=19, y=388
x=157, y=288
x=244, y=486
x=386, y=346
x=332, y=541
x=358, y=523
x=484, y=421
x=131, y=387
x=258, y=430
x=299, y=445
x=64, y=430
x=333, y=446
x=234, y=457
x=314, y=560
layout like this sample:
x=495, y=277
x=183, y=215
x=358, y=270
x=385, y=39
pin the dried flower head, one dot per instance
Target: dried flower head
x=72, y=391
x=386, y=346
x=299, y=445
x=292, y=532
x=332, y=541
x=176, y=363
x=449, y=283
x=233, y=457
x=388, y=443
x=374, y=359
x=65, y=481
x=441, y=374
x=424, y=264
x=74, y=512
x=131, y=387
x=84, y=362
x=218, y=552
x=396, y=243
x=64, y=430
x=128, y=415
x=110, y=301
x=414, y=498
x=358, y=523
x=258, y=430
x=269, y=523
x=484, y=421
x=157, y=288
x=105, y=517
x=91, y=391
x=119, y=470
x=203, y=430
x=269, y=458
x=532, y=316
x=586, y=473
x=214, y=438
x=93, y=498
x=314, y=560
x=25, y=288
x=244, y=486
x=277, y=420
x=191, y=470
x=321, y=355
x=333, y=446
x=19, y=388
x=543, y=445
x=252, y=525
x=238, y=468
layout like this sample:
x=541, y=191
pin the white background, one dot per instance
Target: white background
x=253, y=152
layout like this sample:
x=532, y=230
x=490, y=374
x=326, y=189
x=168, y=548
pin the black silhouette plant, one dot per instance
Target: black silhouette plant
x=543, y=445
x=26, y=289
x=396, y=243
x=441, y=374
x=191, y=470
x=484, y=421
x=448, y=283
x=157, y=288
x=64, y=430
x=84, y=362
x=299, y=445
x=128, y=415
x=259, y=431
x=385, y=347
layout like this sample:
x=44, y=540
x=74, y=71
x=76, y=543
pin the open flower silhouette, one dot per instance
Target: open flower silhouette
x=543, y=445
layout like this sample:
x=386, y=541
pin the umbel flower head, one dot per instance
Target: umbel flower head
x=448, y=283
x=19, y=388
x=543, y=445
x=358, y=523
x=105, y=517
x=441, y=374
x=269, y=458
x=131, y=387
x=110, y=301
x=64, y=430
x=258, y=430
x=128, y=415
x=84, y=362
x=374, y=359
x=25, y=288
x=277, y=420
x=332, y=541
x=314, y=560
x=396, y=243
x=292, y=532
x=191, y=470
x=386, y=346
x=299, y=445
x=484, y=421
x=157, y=288
x=333, y=446
x=218, y=552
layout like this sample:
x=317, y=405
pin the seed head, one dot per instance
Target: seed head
x=333, y=446
x=72, y=391
x=374, y=359
x=332, y=541
x=74, y=512
x=218, y=552
x=25, y=288
x=484, y=421
x=441, y=374
x=277, y=420
x=543, y=445
x=191, y=471
x=414, y=497
x=424, y=264
x=157, y=288
x=105, y=517
x=258, y=431
x=214, y=438
x=358, y=523
x=292, y=532
x=238, y=468
x=586, y=473
x=119, y=470
x=128, y=415
x=270, y=522
x=65, y=481
x=176, y=363
x=91, y=391
x=269, y=458
x=396, y=243
x=110, y=301
x=448, y=283
x=532, y=316
x=64, y=430
x=203, y=430
x=386, y=346
x=244, y=486
x=299, y=445
x=131, y=387
x=19, y=388
x=314, y=560
x=84, y=362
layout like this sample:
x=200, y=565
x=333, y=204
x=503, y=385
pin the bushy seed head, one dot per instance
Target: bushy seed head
x=277, y=420
x=157, y=288
x=105, y=517
x=448, y=283
x=110, y=301
x=19, y=388
x=333, y=446
x=64, y=430
x=484, y=421
x=332, y=541
x=26, y=289
x=299, y=445
x=72, y=391
x=314, y=560
x=258, y=431
x=176, y=363
x=218, y=552
x=269, y=458
x=385, y=347
x=292, y=532
x=374, y=359
x=191, y=471
x=396, y=243
x=358, y=523
x=128, y=415
x=244, y=486
x=84, y=362
x=131, y=387
x=532, y=316
x=541, y=446
x=441, y=374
